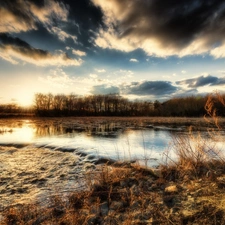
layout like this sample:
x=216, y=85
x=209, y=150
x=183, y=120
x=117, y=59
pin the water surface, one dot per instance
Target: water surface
x=108, y=140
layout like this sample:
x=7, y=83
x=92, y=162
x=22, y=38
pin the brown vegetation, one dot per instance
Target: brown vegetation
x=130, y=195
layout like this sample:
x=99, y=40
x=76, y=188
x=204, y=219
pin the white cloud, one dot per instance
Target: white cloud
x=183, y=71
x=51, y=10
x=100, y=70
x=8, y=58
x=57, y=78
x=218, y=52
x=78, y=52
x=108, y=39
x=93, y=76
x=62, y=35
x=124, y=73
x=134, y=60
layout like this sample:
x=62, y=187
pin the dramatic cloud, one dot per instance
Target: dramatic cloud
x=19, y=15
x=202, y=81
x=154, y=88
x=104, y=89
x=14, y=49
x=163, y=28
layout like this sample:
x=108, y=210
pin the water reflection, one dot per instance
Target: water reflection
x=49, y=130
x=105, y=139
x=17, y=135
x=106, y=129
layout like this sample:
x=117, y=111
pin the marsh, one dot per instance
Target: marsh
x=39, y=157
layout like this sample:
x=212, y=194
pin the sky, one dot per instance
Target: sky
x=139, y=49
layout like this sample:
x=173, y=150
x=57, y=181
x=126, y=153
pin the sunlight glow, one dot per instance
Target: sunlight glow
x=25, y=99
x=18, y=135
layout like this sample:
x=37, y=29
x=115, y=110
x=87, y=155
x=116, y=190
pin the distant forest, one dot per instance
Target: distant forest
x=49, y=105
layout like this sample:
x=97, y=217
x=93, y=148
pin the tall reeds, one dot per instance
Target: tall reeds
x=197, y=154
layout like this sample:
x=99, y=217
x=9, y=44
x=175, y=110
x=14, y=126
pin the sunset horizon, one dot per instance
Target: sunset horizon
x=141, y=50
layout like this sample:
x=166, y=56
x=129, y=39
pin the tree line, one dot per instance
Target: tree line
x=116, y=105
x=93, y=105
x=51, y=105
x=14, y=110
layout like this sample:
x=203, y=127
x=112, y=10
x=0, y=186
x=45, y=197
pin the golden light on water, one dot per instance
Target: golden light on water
x=26, y=134
x=22, y=135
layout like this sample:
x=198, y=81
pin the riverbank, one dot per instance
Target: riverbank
x=129, y=194
x=82, y=123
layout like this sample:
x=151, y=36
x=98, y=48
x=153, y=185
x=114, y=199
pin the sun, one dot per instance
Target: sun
x=25, y=100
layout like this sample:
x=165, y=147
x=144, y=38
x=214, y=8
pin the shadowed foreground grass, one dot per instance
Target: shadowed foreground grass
x=129, y=194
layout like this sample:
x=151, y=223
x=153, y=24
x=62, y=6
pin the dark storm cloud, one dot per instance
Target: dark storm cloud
x=171, y=24
x=202, y=81
x=15, y=11
x=175, y=22
x=85, y=13
x=39, y=3
x=14, y=48
x=16, y=7
x=19, y=15
x=21, y=46
x=84, y=19
x=156, y=88
x=72, y=22
x=221, y=81
x=105, y=89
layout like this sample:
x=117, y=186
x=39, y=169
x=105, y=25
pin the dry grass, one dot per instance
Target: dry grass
x=127, y=195
x=196, y=157
x=111, y=187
